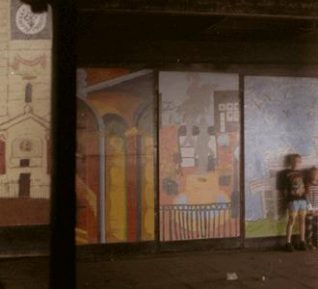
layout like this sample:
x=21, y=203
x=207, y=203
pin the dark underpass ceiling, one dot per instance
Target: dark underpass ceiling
x=295, y=8
x=158, y=26
x=106, y=37
x=242, y=31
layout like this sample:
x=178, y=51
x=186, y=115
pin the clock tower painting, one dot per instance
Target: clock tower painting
x=25, y=100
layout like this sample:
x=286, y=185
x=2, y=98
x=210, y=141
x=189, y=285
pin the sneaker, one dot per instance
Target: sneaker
x=290, y=247
x=302, y=246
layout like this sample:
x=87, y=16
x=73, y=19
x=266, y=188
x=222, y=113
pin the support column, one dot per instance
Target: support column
x=133, y=190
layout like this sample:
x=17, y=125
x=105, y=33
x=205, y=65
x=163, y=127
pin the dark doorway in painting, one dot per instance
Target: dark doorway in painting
x=24, y=185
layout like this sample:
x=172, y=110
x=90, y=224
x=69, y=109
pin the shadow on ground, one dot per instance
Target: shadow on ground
x=190, y=270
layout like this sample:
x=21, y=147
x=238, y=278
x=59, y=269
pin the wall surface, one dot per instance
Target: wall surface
x=199, y=156
x=115, y=156
x=281, y=118
x=198, y=167
x=25, y=90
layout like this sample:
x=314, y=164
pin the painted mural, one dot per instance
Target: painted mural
x=25, y=93
x=115, y=156
x=199, y=156
x=280, y=118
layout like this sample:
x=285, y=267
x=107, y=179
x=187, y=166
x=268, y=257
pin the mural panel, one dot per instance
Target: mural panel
x=25, y=101
x=199, y=156
x=115, y=157
x=280, y=118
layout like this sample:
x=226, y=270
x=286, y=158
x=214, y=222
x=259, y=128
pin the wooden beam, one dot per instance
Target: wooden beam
x=98, y=53
x=63, y=135
x=266, y=8
x=62, y=261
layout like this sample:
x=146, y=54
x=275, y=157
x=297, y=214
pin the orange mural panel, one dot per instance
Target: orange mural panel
x=118, y=155
x=199, y=156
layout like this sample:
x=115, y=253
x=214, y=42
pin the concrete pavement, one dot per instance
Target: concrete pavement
x=187, y=270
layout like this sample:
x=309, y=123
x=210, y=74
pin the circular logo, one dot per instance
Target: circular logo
x=28, y=22
x=26, y=145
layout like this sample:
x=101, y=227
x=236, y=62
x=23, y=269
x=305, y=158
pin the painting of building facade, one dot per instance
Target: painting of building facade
x=199, y=156
x=281, y=118
x=115, y=156
x=25, y=91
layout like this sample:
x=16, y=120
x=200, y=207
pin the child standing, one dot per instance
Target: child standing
x=296, y=198
x=312, y=203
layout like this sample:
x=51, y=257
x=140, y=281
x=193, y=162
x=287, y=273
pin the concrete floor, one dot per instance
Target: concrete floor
x=190, y=270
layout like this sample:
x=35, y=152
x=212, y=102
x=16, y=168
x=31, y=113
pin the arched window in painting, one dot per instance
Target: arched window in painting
x=145, y=177
x=87, y=175
x=116, y=179
x=28, y=93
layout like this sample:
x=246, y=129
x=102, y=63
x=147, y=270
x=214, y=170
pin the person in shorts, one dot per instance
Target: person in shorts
x=295, y=194
x=312, y=206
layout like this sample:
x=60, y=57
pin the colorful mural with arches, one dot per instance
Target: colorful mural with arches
x=199, y=155
x=117, y=146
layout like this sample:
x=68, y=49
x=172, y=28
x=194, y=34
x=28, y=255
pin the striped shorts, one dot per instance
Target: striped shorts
x=312, y=229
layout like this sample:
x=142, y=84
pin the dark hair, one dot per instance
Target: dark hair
x=313, y=169
x=292, y=157
x=310, y=173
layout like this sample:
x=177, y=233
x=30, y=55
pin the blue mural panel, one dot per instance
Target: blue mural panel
x=281, y=117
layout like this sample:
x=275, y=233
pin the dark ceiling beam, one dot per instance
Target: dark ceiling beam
x=131, y=38
x=63, y=130
x=291, y=9
x=303, y=9
x=63, y=135
x=95, y=53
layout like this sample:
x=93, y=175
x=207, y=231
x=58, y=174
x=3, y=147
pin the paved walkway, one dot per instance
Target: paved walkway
x=190, y=270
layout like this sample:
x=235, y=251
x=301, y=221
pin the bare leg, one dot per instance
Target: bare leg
x=290, y=225
x=309, y=228
x=315, y=229
x=302, y=226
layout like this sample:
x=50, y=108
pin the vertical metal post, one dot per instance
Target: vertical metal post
x=157, y=159
x=102, y=183
x=242, y=167
x=62, y=260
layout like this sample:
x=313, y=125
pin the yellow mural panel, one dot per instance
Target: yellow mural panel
x=148, y=191
x=119, y=111
x=116, y=214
